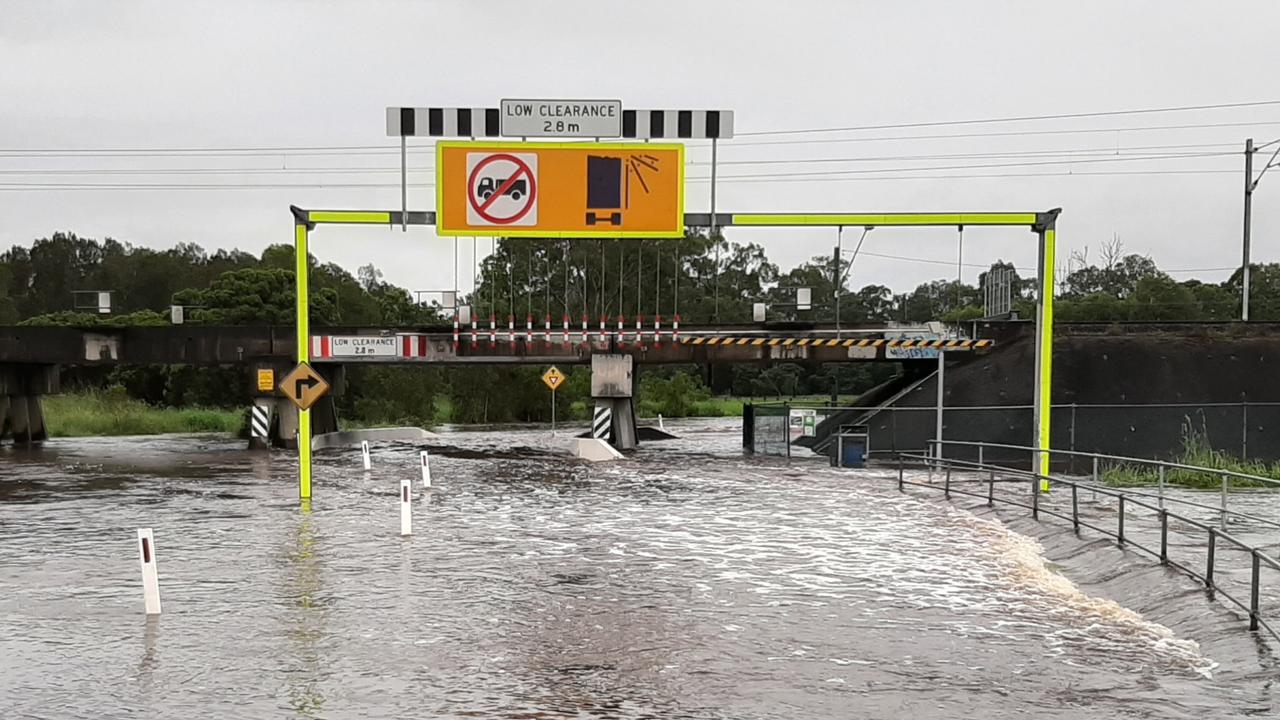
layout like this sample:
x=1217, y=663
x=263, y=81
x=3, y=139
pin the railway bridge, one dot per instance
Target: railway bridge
x=30, y=356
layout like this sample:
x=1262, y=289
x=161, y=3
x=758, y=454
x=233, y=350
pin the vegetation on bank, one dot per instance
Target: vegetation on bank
x=38, y=286
x=113, y=412
x=1196, y=451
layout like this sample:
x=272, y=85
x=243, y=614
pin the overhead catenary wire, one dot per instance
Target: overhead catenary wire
x=390, y=148
x=1075, y=153
x=1018, y=118
x=762, y=178
x=1008, y=134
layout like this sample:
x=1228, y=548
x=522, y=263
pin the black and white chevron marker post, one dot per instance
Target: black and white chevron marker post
x=602, y=423
x=260, y=422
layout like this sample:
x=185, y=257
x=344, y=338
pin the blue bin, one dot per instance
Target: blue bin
x=851, y=447
x=853, y=450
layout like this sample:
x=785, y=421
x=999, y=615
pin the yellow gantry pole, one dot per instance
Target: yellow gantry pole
x=301, y=270
x=1044, y=374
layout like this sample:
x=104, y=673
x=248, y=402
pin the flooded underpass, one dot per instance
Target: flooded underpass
x=688, y=582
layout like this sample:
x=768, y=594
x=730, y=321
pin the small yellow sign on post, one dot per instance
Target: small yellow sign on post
x=304, y=386
x=553, y=378
x=266, y=380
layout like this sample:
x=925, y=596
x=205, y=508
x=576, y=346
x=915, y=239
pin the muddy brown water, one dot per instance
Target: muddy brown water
x=689, y=582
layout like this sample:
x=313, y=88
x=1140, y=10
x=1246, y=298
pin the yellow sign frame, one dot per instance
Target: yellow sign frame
x=677, y=231
x=1043, y=224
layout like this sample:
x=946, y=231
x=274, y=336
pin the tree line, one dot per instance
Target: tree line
x=702, y=279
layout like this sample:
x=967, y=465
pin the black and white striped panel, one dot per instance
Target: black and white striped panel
x=259, y=421
x=677, y=124
x=443, y=122
x=602, y=423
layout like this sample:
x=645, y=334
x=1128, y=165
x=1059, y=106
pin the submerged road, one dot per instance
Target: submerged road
x=688, y=583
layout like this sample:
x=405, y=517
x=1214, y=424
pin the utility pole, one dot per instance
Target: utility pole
x=1249, y=185
x=835, y=274
x=836, y=281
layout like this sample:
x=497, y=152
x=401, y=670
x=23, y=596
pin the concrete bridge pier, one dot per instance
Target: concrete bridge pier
x=21, y=389
x=284, y=420
x=283, y=430
x=612, y=381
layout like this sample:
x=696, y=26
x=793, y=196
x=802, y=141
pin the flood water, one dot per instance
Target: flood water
x=688, y=582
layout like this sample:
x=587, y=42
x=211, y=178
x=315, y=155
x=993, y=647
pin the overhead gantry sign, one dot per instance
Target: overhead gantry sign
x=1043, y=224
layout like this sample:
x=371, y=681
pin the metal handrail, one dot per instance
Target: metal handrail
x=1094, y=487
x=1119, y=458
x=1257, y=556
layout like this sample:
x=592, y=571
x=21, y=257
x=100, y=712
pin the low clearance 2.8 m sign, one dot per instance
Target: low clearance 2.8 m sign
x=559, y=189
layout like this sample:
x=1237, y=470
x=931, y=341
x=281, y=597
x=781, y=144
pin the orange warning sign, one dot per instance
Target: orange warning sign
x=506, y=189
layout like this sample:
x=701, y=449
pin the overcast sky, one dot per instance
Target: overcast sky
x=221, y=75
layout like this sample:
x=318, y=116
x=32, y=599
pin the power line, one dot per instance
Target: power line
x=1020, y=118
x=1039, y=163
x=19, y=187
x=358, y=150
x=1066, y=173
x=1014, y=133
x=1065, y=152
x=1107, y=152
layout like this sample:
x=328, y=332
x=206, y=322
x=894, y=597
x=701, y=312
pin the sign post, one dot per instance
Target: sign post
x=553, y=379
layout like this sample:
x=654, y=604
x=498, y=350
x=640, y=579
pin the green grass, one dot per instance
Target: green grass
x=112, y=413
x=1195, y=451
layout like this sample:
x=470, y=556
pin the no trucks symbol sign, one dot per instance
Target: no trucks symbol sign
x=502, y=189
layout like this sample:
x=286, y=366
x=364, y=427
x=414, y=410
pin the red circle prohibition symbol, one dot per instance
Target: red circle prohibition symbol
x=482, y=209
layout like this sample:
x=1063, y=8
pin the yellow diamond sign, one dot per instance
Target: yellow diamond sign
x=304, y=386
x=553, y=378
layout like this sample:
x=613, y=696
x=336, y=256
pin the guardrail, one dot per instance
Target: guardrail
x=1125, y=501
x=937, y=448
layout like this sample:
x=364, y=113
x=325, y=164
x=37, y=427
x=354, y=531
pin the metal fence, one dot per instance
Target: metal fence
x=1140, y=516
x=1242, y=429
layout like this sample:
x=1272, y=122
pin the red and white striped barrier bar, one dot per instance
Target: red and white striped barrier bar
x=511, y=330
x=413, y=346
x=566, y=328
x=657, y=331
x=493, y=331
x=474, y=328
x=621, y=338
x=603, y=335
x=320, y=347
x=675, y=329
x=585, y=335
x=639, y=330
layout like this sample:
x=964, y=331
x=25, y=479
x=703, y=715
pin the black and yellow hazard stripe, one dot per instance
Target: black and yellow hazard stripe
x=757, y=341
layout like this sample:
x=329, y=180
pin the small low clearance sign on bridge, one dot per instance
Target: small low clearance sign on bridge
x=562, y=118
x=505, y=189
